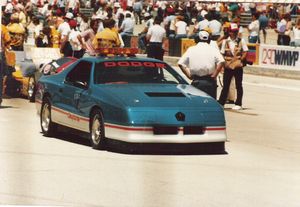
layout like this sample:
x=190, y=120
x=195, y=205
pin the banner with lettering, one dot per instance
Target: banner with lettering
x=279, y=57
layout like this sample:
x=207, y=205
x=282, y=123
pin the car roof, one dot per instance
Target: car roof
x=100, y=59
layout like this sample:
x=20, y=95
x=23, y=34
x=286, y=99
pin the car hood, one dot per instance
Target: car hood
x=159, y=105
x=159, y=95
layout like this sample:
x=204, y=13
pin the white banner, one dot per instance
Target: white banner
x=279, y=57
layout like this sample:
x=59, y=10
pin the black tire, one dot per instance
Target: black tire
x=48, y=127
x=31, y=89
x=97, y=134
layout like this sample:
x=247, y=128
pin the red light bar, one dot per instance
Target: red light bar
x=117, y=51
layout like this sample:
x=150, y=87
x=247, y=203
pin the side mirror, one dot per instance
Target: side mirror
x=81, y=84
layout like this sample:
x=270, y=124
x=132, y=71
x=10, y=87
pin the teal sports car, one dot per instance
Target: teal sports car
x=141, y=103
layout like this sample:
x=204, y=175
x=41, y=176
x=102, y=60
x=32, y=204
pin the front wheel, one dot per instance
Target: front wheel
x=97, y=136
x=31, y=89
x=48, y=127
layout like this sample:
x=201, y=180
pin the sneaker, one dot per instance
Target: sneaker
x=237, y=107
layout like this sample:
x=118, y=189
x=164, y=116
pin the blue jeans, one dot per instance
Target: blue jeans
x=179, y=36
x=142, y=41
x=253, y=39
x=126, y=38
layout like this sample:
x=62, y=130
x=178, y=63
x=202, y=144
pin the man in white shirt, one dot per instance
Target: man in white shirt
x=137, y=9
x=155, y=36
x=75, y=40
x=254, y=28
x=129, y=4
x=142, y=35
x=72, y=5
x=181, y=28
x=64, y=28
x=216, y=27
x=202, y=63
x=61, y=4
x=126, y=29
x=127, y=25
x=201, y=25
x=64, y=31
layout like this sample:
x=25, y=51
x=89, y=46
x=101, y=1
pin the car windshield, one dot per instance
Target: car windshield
x=118, y=72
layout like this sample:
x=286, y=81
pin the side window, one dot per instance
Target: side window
x=80, y=74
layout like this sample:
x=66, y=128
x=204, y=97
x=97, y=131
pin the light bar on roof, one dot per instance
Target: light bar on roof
x=117, y=51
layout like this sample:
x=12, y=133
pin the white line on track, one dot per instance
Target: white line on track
x=273, y=86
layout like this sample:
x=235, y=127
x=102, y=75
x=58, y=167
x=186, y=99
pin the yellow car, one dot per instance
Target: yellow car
x=27, y=74
x=27, y=84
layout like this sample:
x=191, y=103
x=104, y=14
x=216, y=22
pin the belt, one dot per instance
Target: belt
x=205, y=77
x=155, y=43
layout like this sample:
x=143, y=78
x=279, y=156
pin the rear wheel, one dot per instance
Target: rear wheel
x=97, y=136
x=31, y=89
x=48, y=127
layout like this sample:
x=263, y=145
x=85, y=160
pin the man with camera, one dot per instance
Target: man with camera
x=234, y=50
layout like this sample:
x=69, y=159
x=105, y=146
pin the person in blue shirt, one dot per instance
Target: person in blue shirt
x=263, y=24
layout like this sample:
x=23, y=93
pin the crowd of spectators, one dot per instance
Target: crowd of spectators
x=59, y=23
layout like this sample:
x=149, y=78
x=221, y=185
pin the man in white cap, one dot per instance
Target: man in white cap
x=234, y=50
x=202, y=63
x=64, y=31
x=142, y=35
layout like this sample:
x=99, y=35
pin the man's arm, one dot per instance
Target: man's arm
x=220, y=63
x=218, y=70
x=80, y=39
x=149, y=33
x=244, y=55
x=186, y=71
x=122, y=27
x=64, y=39
x=183, y=64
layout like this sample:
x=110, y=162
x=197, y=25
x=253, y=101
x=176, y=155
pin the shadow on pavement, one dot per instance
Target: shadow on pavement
x=71, y=137
x=243, y=112
x=6, y=107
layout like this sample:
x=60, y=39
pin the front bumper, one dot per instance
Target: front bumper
x=146, y=135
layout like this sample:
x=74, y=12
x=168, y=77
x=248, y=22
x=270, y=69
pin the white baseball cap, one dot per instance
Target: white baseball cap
x=69, y=15
x=146, y=14
x=203, y=35
x=100, y=16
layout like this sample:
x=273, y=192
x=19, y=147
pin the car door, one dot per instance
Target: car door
x=74, y=90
